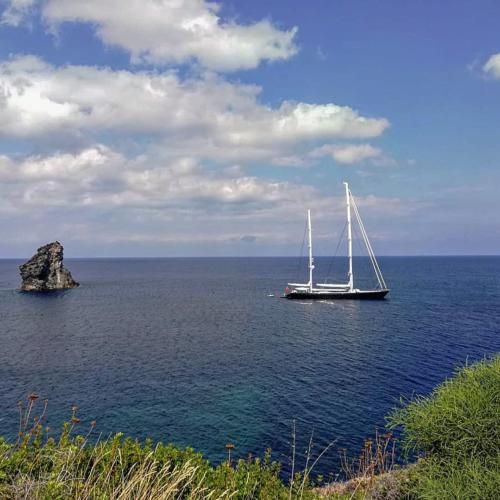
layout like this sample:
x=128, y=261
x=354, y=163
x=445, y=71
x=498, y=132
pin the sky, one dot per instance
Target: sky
x=192, y=128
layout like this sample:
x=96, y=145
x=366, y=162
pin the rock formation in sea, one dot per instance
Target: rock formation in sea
x=45, y=270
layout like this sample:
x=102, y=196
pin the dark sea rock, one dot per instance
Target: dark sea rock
x=45, y=270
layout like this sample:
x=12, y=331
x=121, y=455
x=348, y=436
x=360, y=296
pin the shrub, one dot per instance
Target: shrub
x=456, y=432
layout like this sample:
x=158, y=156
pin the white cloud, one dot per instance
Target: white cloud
x=177, y=31
x=301, y=120
x=217, y=119
x=167, y=31
x=16, y=11
x=347, y=153
x=492, y=66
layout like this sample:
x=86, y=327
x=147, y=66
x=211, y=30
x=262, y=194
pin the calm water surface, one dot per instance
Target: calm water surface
x=194, y=351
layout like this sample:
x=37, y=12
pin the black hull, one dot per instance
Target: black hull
x=359, y=295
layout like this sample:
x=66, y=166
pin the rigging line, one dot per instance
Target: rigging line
x=381, y=278
x=370, y=251
x=376, y=267
x=360, y=266
x=335, y=254
x=300, y=255
x=360, y=250
x=365, y=239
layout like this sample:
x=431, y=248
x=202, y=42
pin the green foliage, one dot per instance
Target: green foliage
x=456, y=431
x=458, y=480
x=70, y=467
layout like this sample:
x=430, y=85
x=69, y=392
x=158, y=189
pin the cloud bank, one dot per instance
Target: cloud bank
x=217, y=119
x=147, y=154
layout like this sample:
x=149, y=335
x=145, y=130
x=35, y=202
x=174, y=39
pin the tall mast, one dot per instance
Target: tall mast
x=311, y=260
x=349, y=236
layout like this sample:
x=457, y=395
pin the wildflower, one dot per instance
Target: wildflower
x=33, y=396
x=75, y=420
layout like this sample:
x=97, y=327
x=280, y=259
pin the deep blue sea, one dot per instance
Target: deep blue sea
x=194, y=351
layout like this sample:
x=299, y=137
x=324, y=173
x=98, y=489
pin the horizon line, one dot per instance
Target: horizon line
x=257, y=256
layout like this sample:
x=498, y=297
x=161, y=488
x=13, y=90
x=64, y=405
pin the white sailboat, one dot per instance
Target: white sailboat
x=340, y=290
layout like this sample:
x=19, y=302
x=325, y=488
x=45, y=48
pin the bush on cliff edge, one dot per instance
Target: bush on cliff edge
x=456, y=433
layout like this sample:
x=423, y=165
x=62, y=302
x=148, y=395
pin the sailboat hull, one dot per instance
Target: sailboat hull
x=354, y=295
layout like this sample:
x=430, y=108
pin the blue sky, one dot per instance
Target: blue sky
x=185, y=128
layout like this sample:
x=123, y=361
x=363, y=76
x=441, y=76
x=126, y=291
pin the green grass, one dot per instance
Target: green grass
x=456, y=432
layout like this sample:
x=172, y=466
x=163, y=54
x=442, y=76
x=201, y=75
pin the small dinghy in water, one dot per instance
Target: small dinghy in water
x=330, y=291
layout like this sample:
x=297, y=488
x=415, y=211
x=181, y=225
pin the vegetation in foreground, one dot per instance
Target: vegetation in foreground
x=454, y=433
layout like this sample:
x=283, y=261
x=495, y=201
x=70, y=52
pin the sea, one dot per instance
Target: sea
x=203, y=352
